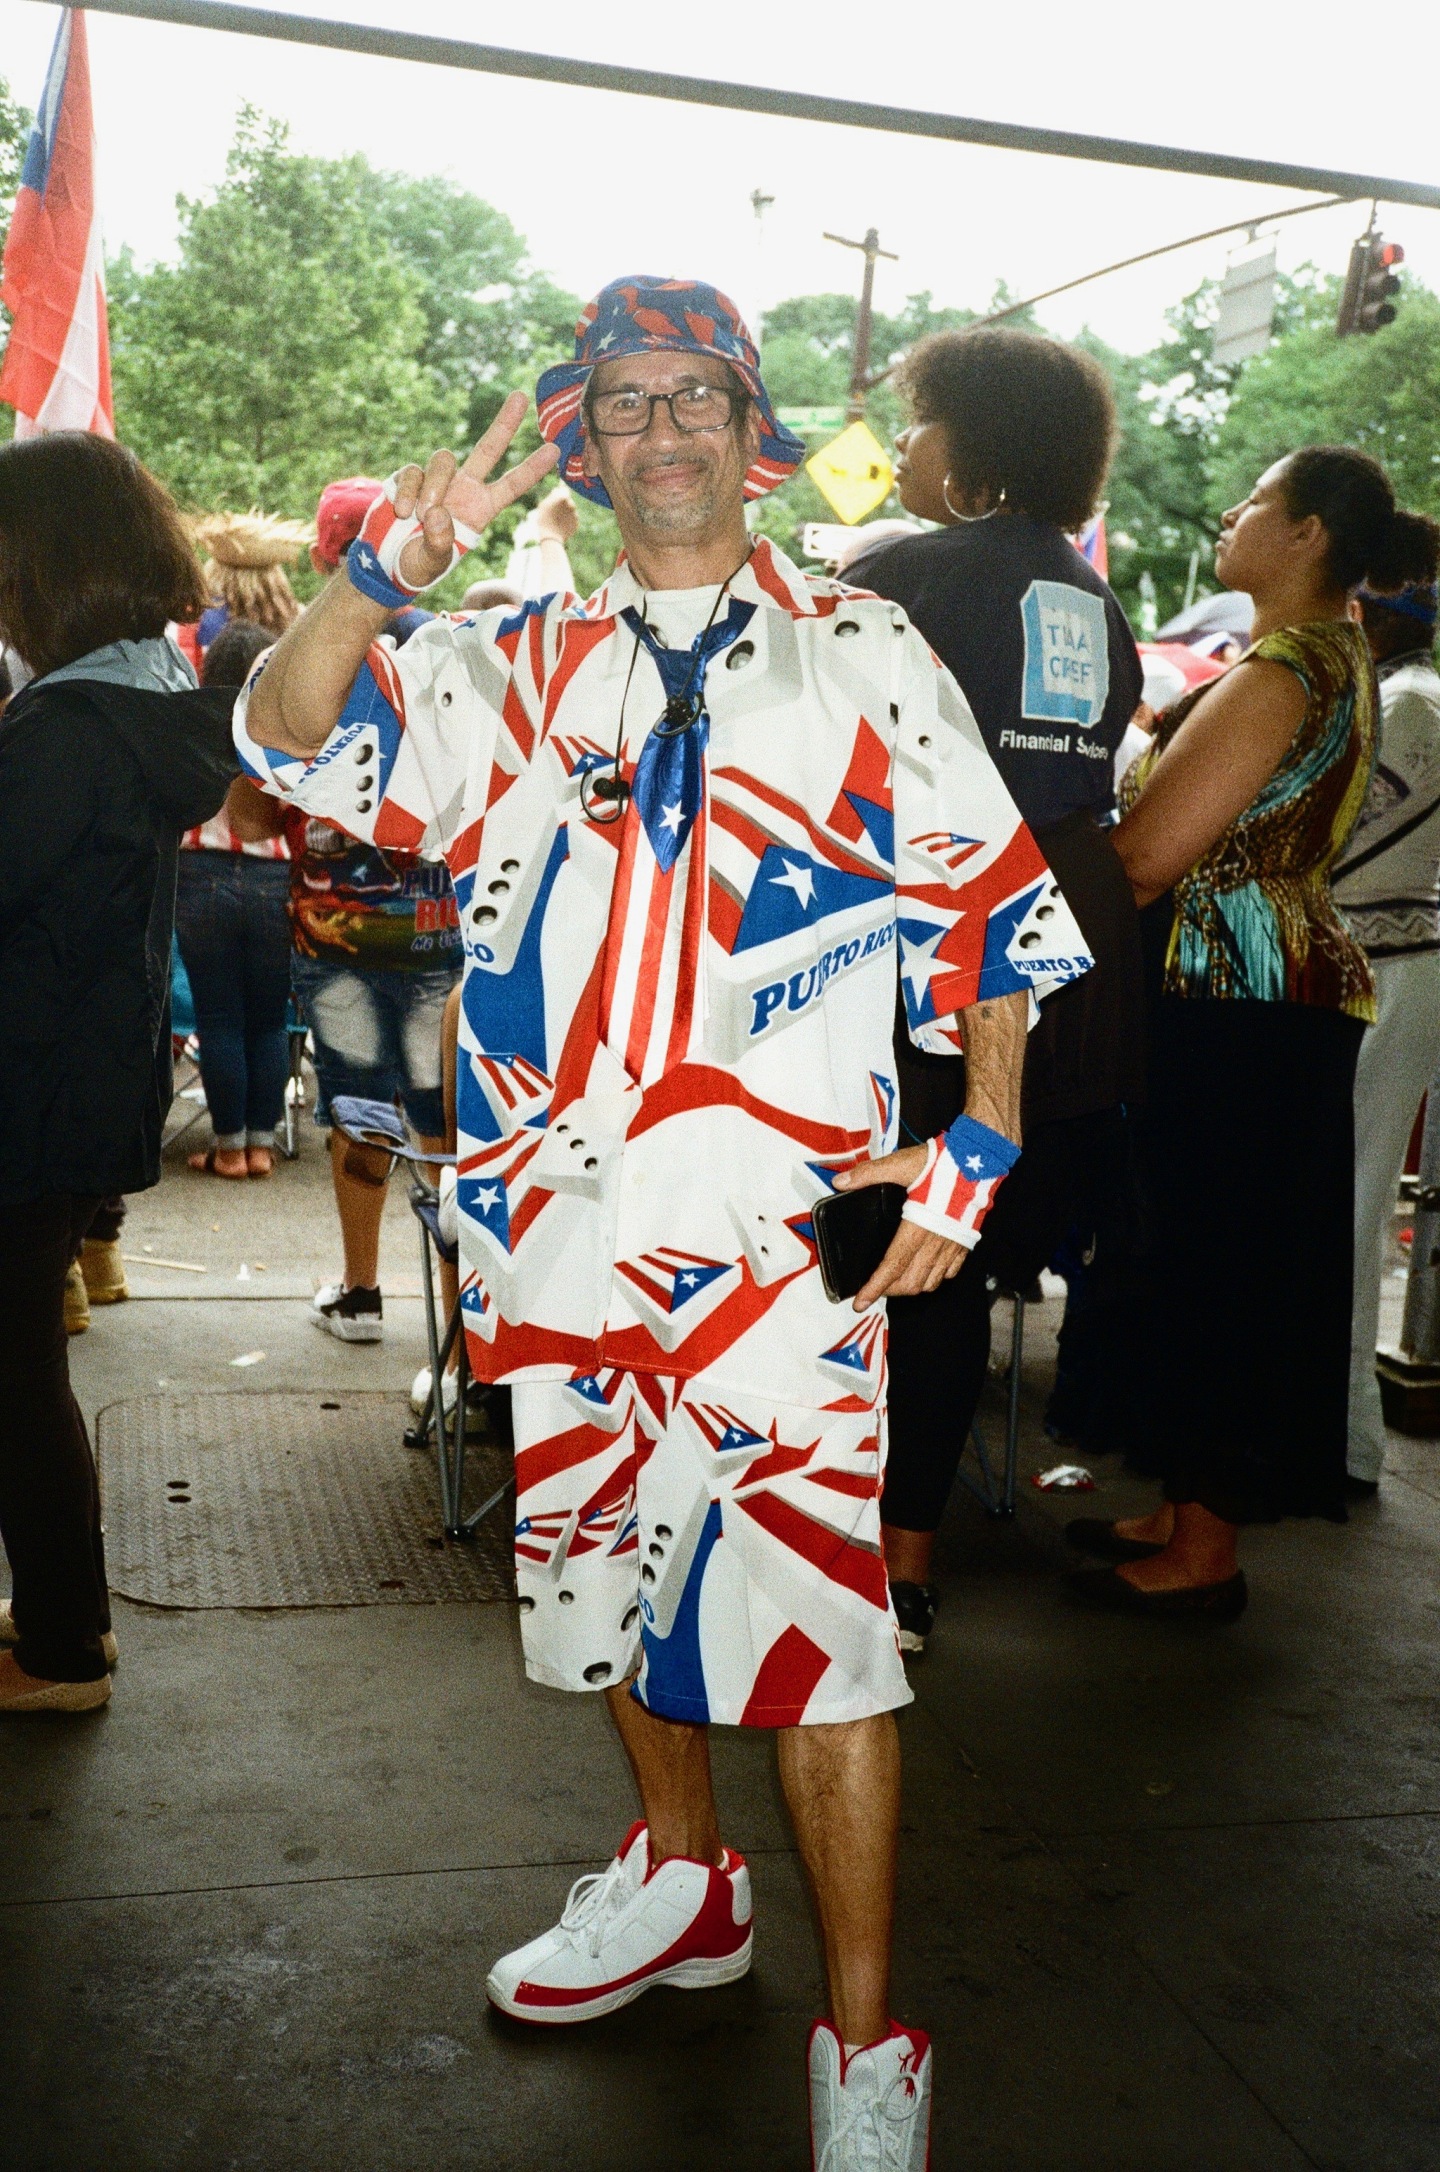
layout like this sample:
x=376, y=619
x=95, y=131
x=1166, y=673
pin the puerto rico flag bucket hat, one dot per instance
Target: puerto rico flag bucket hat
x=639, y=316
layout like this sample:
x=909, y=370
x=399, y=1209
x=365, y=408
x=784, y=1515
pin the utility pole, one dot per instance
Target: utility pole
x=760, y=203
x=860, y=361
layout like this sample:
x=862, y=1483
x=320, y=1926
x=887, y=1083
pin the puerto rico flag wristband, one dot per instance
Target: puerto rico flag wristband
x=372, y=562
x=963, y=1171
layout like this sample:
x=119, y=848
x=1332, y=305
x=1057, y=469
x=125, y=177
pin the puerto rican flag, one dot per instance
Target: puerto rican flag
x=652, y=996
x=672, y=1292
x=956, y=1189
x=1093, y=545
x=517, y=1090
x=56, y=372
x=652, y=992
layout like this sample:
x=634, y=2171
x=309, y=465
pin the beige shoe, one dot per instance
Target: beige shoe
x=104, y=1271
x=21, y=1692
x=9, y=1635
x=77, y=1301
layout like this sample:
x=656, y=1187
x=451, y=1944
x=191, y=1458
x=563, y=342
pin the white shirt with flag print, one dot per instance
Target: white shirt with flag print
x=854, y=826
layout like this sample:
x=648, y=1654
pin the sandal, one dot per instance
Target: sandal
x=1093, y=1535
x=204, y=1164
x=1213, y=1602
x=260, y=1161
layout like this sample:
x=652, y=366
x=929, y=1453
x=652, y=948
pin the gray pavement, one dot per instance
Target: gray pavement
x=1168, y=1900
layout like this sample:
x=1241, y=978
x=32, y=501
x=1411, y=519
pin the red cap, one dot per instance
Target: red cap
x=340, y=515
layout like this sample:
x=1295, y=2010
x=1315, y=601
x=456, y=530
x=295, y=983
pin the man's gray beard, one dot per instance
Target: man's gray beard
x=696, y=517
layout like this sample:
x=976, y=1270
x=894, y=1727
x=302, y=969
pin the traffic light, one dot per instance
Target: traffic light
x=1370, y=281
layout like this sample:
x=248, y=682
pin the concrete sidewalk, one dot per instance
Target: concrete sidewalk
x=1169, y=1899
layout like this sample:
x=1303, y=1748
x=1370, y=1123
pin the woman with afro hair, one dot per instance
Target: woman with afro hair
x=1007, y=451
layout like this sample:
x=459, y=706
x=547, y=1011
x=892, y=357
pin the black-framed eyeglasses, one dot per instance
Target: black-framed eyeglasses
x=628, y=412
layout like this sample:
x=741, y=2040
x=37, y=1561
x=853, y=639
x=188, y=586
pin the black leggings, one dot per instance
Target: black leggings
x=1071, y=1171
x=49, y=1494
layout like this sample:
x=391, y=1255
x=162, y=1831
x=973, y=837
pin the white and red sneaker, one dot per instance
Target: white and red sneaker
x=870, y=2112
x=626, y=1928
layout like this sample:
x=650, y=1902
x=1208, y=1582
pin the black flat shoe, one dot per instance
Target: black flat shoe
x=916, y=1606
x=1092, y=1535
x=1214, y=1602
x=1361, y=1489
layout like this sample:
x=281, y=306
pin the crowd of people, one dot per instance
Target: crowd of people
x=801, y=981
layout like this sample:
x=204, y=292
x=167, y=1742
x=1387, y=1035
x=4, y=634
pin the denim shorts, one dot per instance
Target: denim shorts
x=377, y=1035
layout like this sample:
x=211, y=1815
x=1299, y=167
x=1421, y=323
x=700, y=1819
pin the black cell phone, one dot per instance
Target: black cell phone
x=852, y=1235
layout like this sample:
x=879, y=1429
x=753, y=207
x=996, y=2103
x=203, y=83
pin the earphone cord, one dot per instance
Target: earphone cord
x=619, y=758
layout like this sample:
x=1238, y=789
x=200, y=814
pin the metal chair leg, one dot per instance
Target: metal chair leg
x=1012, y=1417
x=462, y=1383
x=294, y=1099
x=437, y=1382
x=996, y=1491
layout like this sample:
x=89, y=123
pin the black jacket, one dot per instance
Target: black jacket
x=97, y=785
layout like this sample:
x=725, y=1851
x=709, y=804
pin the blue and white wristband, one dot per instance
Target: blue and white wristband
x=373, y=559
x=365, y=572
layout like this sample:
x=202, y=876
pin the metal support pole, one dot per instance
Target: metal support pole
x=790, y=105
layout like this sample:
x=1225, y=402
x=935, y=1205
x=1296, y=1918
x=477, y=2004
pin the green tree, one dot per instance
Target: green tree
x=1195, y=434
x=15, y=125
x=805, y=358
x=491, y=321
x=1379, y=391
x=16, y=121
x=1171, y=403
x=283, y=348
x=323, y=319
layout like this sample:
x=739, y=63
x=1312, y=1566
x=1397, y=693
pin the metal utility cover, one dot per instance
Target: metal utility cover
x=278, y=1499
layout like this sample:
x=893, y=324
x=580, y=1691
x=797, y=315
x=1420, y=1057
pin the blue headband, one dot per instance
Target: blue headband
x=1418, y=599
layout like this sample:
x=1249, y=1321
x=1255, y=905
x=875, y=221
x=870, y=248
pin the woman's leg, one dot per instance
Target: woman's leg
x=939, y=1347
x=940, y=1344
x=1253, y=1135
x=427, y=1025
x=1397, y=1061
x=350, y=1028
x=209, y=924
x=49, y=1496
x=265, y=892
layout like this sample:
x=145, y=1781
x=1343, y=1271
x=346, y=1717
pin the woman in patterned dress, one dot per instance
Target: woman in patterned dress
x=1260, y=996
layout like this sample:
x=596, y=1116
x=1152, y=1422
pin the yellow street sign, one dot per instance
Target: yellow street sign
x=852, y=472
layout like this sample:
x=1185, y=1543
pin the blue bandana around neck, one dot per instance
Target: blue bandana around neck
x=669, y=786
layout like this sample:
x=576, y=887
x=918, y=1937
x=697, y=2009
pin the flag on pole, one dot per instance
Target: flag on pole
x=56, y=372
x=1093, y=545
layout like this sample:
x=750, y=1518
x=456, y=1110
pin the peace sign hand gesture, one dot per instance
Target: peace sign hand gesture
x=454, y=503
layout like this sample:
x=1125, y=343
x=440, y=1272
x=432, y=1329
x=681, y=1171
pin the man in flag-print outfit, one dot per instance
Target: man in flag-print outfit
x=699, y=827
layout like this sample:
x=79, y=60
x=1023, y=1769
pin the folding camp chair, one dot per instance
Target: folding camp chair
x=298, y=1035
x=995, y=1491
x=380, y=1124
x=184, y=1044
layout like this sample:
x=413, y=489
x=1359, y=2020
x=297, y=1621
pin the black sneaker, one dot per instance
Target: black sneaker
x=349, y=1315
x=916, y=1606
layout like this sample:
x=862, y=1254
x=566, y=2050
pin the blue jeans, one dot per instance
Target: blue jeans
x=377, y=1035
x=232, y=919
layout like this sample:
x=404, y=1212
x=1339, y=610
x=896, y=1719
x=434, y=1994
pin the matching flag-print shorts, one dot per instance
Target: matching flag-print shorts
x=727, y=1548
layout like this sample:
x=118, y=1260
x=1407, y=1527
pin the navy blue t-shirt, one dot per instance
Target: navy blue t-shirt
x=1038, y=643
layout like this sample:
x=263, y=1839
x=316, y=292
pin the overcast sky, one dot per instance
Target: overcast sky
x=603, y=184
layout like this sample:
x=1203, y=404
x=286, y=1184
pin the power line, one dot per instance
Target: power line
x=1236, y=226
x=757, y=98
x=1146, y=256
